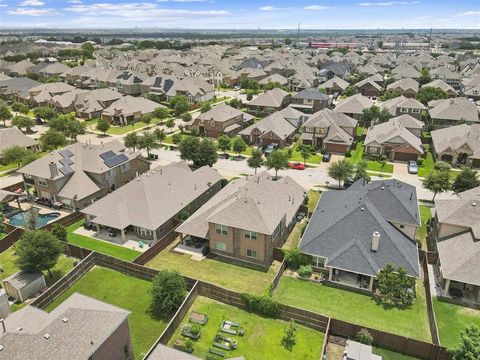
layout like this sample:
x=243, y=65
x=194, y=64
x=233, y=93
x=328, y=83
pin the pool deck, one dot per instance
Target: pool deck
x=43, y=210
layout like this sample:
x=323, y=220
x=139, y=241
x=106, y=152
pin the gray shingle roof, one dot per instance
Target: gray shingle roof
x=12, y=136
x=311, y=94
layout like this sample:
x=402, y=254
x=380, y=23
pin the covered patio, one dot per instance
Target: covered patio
x=126, y=238
x=351, y=279
x=467, y=293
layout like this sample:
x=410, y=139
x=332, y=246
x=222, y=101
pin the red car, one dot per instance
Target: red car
x=296, y=166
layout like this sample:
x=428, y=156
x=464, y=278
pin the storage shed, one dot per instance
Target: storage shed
x=23, y=284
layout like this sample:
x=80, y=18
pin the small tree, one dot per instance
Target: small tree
x=306, y=151
x=364, y=337
x=384, y=115
x=179, y=104
x=295, y=259
x=168, y=291
x=22, y=121
x=370, y=115
x=37, y=250
x=288, y=41
x=20, y=108
x=188, y=147
x=224, y=143
x=350, y=91
x=206, y=153
x=425, y=77
x=148, y=141
x=206, y=107
x=176, y=138
x=256, y=160
x=249, y=96
x=277, y=160
x=44, y=112
x=289, y=335
x=238, y=145
x=52, y=139
x=103, y=125
x=59, y=231
x=340, y=170
x=437, y=182
x=147, y=119
x=396, y=286
x=467, y=179
x=5, y=114
x=442, y=166
x=361, y=171
x=131, y=140
x=14, y=155
x=170, y=124
x=161, y=113
x=159, y=135
x=469, y=347
x=187, y=117
x=427, y=93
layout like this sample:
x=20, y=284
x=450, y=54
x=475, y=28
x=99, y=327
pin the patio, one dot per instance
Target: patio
x=351, y=279
x=130, y=240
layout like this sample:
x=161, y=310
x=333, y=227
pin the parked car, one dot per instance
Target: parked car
x=236, y=88
x=270, y=148
x=412, y=167
x=326, y=157
x=296, y=166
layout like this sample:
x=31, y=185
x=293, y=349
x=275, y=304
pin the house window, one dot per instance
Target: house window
x=415, y=111
x=111, y=172
x=220, y=245
x=402, y=226
x=276, y=231
x=42, y=182
x=221, y=229
x=125, y=167
x=252, y=253
x=252, y=235
x=403, y=110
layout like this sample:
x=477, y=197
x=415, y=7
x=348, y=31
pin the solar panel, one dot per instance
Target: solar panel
x=158, y=82
x=111, y=162
x=107, y=155
x=65, y=153
x=167, y=85
x=66, y=170
x=66, y=161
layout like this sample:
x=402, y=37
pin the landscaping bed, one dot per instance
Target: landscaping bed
x=372, y=165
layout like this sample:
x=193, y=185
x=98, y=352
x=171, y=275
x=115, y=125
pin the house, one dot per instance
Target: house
x=455, y=111
x=402, y=105
x=274, y=78
x=16, y=87
x=269, y=102
x=20, y=68
x=403, y=71
x=353, y=106
x=278, y=128
x=158, y=84
x=98, y=330
x=79, y=174
x=394, y=140
x=91, y=104
x=407, y=87
x=247, y=218
x=358, y=351
x=222, y=120
x=442, y=85
x=127, y=82
x=368, y=87
x=456, y=230
x=24, y=284
x=54, y=69
x=129, y=109
x=41, y=95
x=453, y=79
x=194, y=89
x=355, y=233
x=334, y=86
x=310, y=101
x=457, y=144
x=65, y=103
x=332, y=69
x=330, y=131
x=150, y=205
x=163, y=352
x=14, y=137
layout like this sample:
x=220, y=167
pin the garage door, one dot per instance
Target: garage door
x=336, y=148
x=401, y=156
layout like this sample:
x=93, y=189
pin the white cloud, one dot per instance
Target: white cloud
x=75, y=1
x=468, y=13
x=389, y=3
x=31, y=12
x=268, y=8
x=32, y=3
x=316, y=7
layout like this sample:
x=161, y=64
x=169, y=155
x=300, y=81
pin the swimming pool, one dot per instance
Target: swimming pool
x=19, y=219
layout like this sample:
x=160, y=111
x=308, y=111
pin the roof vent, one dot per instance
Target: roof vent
x=383, y=187
x=362, y=208
x=46, y=336
x=65, y=320
x=19, y=328
x=474, y=204
x=1, y=348
x=375, y=241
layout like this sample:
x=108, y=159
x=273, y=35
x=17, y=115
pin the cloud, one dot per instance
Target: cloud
x=32, y=3
x=468, y=13
x=316, y=7
x=269, y=8
x=389, y=3
x=31, y=12
x=75, y=1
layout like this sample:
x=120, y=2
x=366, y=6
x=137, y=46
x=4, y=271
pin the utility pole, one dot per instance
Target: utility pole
x=298, y=35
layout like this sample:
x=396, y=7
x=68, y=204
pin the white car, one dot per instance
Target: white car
x=412, y=167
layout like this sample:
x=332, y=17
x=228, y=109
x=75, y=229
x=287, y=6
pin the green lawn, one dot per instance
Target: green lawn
x=218, y=272
x=7, y=167
x=390, y=355
x=262, y=339
x=372, y=165
x=100, y=246
x=297, y=157
x=294, y=238
x=427, y=165
x=425, y=215
x=357, y=308
x=313, y=198
x=452, y=320
x=360, y=131
x=121, y=130
x=125, y=292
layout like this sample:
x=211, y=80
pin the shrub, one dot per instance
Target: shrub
x=206, y=250
x=59, y=231
x=294, y=258
x=288, y=340
x=168, y=291
x=305, y=271
x=364, y=337
x=262, y=305
x=195, y=329
x=348, y=153
x=420, y=161
x=189, y=345
x=183, y=215
x=249, y=96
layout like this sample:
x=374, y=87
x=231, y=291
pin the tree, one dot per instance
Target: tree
x=442, y=166
x=396, y=286
x=384, y=115
x=427, y=93
x=364, y=337
x=179, y=104
x=236, y=103
x=59, y=231
x=256, y=160
x=437, y=182
x=44, y=112
x=52, y=139
x=206, y=153
x=69, y=125
x=188, y=148
x=206, y=107
x=159, y=134
x=350, y=91
x=147, y=119
x=168, y=291
x=277, y=160
x=131, y=140
x=37, y=250
x=31, y=219
x=370, y=115
x=14, y=155
x=306, y=151
x=5, y=114
x=380, y=44
x=288, y=41
x=249, y=96
x=161, y=113
x=22, y=121
x=187, y=117
x=103, y=125
x=340, y=170
x=289, y=335
x=176, y=138
x=469, y=347
x=224, y=143
x=154, y=97
x=361, y=171
x=238, y=145
x=148, y=142
x=467, y=179
x=425, y=77
x=170, y=124
x=20, y=108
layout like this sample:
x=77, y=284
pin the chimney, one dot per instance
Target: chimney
x=53, y=169
x=375, y=241
x=3, y=326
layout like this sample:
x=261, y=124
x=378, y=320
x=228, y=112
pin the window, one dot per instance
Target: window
x=42, y=182
x=402, y=226
x=276, y=231
x=221, y=229
x=252, y=253
x=403, y=110
x=111, y=172
x=252, y=235
x=125, y=167
x=416, y=111
x=220, y=245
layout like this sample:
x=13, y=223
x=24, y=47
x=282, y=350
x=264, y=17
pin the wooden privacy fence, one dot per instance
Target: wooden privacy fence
x=10, y=239
x=278, y=276
x=431, y=312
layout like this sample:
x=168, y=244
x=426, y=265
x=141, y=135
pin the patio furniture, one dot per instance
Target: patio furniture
x=214, y=354
x=198, y=318
x=231, y=327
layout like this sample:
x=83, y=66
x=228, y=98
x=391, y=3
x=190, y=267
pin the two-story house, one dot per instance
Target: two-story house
x=129, y=109
x=222, y=120
x=269, y=102
x=402, y=105
x=310, y=101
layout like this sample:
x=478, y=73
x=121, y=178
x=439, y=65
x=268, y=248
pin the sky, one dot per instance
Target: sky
x=243, y=14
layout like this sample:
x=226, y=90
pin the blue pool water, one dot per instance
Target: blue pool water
x=19, y=219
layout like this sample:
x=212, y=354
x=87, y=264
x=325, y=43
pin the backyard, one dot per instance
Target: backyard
x=262, y=339
x=425, y=215
x=357, y=308
x=100, y=246
x=391, y=355
x=376, y=166
x=452, y=320
x=218, y=272
x=125, y=292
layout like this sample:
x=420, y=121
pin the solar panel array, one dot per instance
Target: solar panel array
x=65, y=153
x=114, y=161
x=167, y=85
x=66, y=170
x=66, y=161
x=107, y=155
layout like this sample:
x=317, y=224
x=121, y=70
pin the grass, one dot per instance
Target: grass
x=382, y=175
x=360, y=131
x=375, y=166
x=425, y=215
x=125, y=292
x=390, y=355
x=357, y=308
x=297, y=157
x=427, y=165
x=121, y=130
x=8, y=167
x=313, y=198
x=452, y=320
x=100, y=246
x=221, y=273
x=262, y=339
x=294, y=238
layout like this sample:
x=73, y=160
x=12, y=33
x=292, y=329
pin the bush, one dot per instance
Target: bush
x=249, y=96
x=262, y=305
x=189, y=345
x=348, y=153
x=294, y=258
x=195, y=329
x=364, y=337
x=168, y=291
x=305, y=271
x=420, y=161
x=289, y=337
x=59, y=231
x=183, y=215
